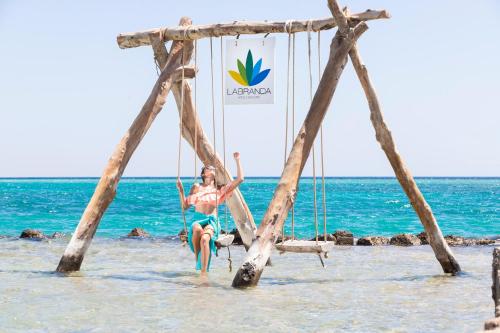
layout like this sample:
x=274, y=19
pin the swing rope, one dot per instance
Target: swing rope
x=309, y=23
x=223, y=127
x=323, y=187
x=180, y=138
x=286, y=111
x=195, y=113
x=213, y=122
x=293, y=123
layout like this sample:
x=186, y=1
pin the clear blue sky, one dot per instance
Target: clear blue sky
x=68, y=93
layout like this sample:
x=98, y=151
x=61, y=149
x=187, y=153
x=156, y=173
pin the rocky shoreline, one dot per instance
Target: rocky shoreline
x=340, y=237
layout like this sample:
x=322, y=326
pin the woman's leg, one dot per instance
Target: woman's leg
x=205, y=247
x=197, y=231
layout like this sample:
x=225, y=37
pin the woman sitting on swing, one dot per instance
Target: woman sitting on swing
x=205, y=197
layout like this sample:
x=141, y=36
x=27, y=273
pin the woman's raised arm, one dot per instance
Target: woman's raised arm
x=239, y=178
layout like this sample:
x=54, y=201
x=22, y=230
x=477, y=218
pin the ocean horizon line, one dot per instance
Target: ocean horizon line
x=250, y=177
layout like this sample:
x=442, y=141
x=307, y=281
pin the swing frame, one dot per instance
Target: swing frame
x=258, y=242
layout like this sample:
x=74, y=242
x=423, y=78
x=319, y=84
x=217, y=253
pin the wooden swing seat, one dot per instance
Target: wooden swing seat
x=305, y=246
x=224, y=240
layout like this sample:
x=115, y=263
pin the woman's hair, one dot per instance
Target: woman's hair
x=203, y=171
x=219, y=186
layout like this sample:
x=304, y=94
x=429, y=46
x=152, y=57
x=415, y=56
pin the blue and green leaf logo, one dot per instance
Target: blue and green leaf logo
x=249, y=74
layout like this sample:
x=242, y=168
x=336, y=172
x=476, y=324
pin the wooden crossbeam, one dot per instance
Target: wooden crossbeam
x=141, y=38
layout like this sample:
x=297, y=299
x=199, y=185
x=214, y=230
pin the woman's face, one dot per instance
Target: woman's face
x=209, y=173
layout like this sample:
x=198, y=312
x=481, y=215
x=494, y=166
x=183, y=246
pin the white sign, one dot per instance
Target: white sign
x=249, y=72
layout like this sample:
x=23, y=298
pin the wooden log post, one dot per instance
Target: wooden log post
x=493, y=325
x=436, y=240
x=270, y=228
x=106, y=188
x=495, y=274
x=191, y=129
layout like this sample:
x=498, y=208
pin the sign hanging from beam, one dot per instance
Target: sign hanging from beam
x=249, y=72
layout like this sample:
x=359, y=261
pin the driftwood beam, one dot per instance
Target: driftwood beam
x=191, y=129
x=270, y=228
x=135, y=39
x=436, y=240
x=106, y=188
x=189, y=73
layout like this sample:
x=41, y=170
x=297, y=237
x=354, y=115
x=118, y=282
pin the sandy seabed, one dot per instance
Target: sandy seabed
x=129, y=285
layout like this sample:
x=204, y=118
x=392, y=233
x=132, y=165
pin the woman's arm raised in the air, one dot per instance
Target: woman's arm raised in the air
x=239, y=178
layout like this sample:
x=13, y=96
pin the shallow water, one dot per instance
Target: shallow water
x=129, y=285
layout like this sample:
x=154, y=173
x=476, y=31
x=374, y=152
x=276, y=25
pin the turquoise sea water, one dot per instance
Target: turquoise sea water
x=365, y=206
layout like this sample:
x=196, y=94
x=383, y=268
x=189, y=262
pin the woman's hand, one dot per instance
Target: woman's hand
x=236, y=155
x=179, y=185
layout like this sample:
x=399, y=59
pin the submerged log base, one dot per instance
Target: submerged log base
x=135, y=39
x=436, y=240
x=492, y=325
x=106, y=188
x=192, y=131
x=70, y=263
x=284, y=194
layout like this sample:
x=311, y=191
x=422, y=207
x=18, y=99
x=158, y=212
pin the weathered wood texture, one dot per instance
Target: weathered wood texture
x=192, y=128
x=224, y=240
x=106, y=188
x=495, y=274
x=135, y=39
x=270, y=228
x=304, y=246
x=441, y=249
x=188, y=72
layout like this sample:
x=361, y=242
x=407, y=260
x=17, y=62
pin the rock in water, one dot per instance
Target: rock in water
x=456, y=240
x=344, y=237
x=329, y=238
x=138, y=232
x=423, y=238
x=453, y=240
x=484, y=241
x=32, y=234
x=373, y=241
x=57, y=235
x=237, y=238
x=405, y=240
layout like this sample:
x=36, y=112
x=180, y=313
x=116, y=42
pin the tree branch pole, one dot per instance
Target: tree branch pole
x=495, y=275
x=135, y=39
x=106, y=188
x=436, y=240
x=270, y=228
x=191, y=124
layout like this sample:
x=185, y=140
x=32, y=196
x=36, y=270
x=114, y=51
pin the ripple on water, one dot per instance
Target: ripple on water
x=130, y=285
